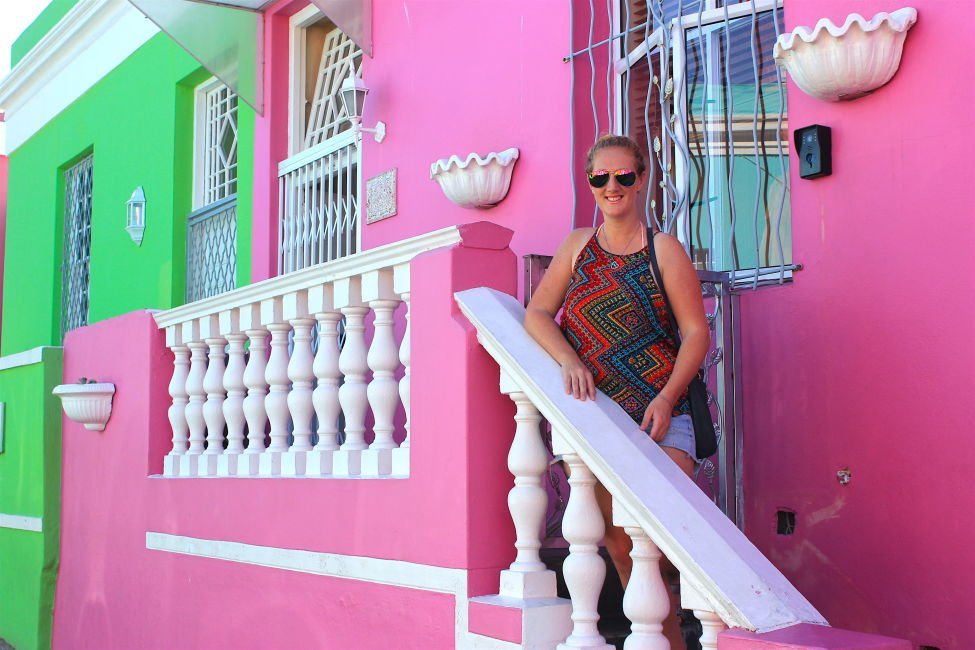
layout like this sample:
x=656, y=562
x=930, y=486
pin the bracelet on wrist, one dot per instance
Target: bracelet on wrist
x=669, y=403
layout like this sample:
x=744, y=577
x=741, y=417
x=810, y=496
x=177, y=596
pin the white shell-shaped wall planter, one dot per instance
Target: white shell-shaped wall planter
x=836, y=63
x=475, y=182
x=87, y=404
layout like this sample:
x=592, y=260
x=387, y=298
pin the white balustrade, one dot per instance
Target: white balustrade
x=302, y=382
x=213, y=407
x=724, y=580
x=647, y=600
x=194, y=408
x=254, y=412
x=177, y=412
x=584, y=570
x=711, y=623
x=527, y=577
x=252, y=362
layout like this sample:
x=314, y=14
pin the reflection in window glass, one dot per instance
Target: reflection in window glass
x=738, y=140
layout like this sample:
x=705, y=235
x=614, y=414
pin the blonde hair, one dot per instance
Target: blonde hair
x=608, y=141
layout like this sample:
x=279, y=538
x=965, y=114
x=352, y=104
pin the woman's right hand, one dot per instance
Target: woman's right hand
x=577, y=379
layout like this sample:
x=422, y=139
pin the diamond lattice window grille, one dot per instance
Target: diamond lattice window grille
x=211, y=257
x=219, y=144
x=76, y=256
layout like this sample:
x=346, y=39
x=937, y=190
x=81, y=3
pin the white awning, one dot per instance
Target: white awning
x=227, y=36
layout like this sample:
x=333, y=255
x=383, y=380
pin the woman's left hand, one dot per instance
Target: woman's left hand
x=657, y=417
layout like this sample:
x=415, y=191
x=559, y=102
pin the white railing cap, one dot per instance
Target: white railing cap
x=481, y=234
x=716, y=558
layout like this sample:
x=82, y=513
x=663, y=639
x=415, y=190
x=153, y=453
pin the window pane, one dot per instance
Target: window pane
x=738, y=192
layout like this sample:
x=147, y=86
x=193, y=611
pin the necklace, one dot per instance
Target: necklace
x=625, y=248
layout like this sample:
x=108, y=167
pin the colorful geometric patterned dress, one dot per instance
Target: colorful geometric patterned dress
x=615, y=317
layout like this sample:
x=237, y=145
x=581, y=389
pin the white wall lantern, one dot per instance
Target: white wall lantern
x=841, y=63
x=135, y=219
x=353, y=93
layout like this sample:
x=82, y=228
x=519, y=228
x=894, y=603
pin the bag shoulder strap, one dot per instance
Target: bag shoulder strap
x=659, y=279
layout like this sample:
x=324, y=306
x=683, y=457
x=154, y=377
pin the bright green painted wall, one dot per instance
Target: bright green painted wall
x=138, y=122
x=30, y=481
x=54, y=12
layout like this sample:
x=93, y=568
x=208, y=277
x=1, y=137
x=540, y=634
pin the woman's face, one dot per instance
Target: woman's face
x=613, y=199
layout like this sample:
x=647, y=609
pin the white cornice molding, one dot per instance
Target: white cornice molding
x=92, y=39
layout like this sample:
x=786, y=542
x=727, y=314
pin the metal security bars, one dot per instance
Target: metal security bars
x=211, y=229
x=211, y=250
x=77, y=245
x=319, y=185
x=694, y=81
x=319, y=204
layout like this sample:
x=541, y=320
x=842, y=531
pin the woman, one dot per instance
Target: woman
x=615, y=333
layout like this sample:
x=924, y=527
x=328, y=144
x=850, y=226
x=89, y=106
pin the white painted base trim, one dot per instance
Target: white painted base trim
x=350, y=567
x=26, y=358
x=22, y=522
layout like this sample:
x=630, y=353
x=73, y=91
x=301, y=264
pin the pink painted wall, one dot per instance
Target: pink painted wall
x=451, y=77
x=113, y=593
x=866, y=361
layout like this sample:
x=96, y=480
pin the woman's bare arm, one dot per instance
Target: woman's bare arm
x=545, y=304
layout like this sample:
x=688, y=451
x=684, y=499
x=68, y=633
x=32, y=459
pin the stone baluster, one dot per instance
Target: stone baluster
x=177, y=411
x=383, y=360
x=254, y=411
x=213, y=408
x=401, y=285
x=302, y=383
x=711, y=623
x=584, y=569
x=194, y=408
x=276, y=375
x=352, y=362
x=325, y=397
x=647, y=600
x=527, y=576
x=233, y=383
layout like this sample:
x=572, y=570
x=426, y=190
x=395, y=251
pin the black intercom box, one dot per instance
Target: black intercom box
x=814, y=146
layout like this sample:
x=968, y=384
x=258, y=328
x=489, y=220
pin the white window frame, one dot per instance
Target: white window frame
x=298, y=155
x=678, y=28
x=297, y=78
x=199, y=140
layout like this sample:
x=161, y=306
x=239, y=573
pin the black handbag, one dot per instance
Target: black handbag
x=705, y=439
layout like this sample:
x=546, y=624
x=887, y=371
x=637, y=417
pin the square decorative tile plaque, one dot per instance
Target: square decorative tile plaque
x=381, y=196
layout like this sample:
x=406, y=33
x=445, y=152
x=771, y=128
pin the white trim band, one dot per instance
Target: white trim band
x=351, y=567
x=22, y=522
x=26, y=358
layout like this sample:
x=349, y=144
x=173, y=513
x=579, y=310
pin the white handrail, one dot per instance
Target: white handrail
x=714, y=557
x=389, y=255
